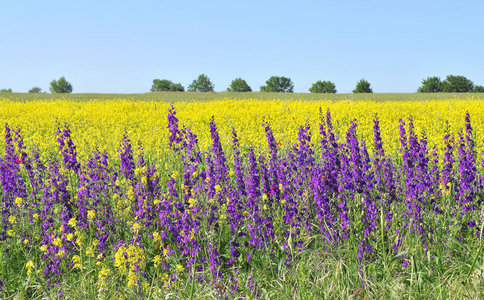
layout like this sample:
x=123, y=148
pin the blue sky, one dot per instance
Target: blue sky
x=121, y=46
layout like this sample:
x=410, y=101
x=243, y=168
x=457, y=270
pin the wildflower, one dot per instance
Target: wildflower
x=29, y=265
x=26, y=241
x=36, y=216
x=156, y=260
x=131, y=278
x=18, y=201
x=57, y=242
x=103, y=273
x=61, y=253
x=136, y=227
x=192, y=202
x=218, y=188
x=12, y=220
x=91, y=214
x=89, y=251
x=180, y=268
x=43, y=248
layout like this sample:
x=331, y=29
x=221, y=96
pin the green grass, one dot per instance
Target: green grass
x=193, y=96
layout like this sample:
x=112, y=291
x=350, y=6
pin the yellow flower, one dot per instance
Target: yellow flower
x=156, y=202
x=156, y=260
x=91, y=214
x=43, y=248
x=57, y=242
x=131, y=278
x=180, y=268
x=283, y=201
x=72, y=222
x=218, y=188
x=89, y=251
x=192, y=202
x=29, y=265
x=104, y=273
x=136, y=227
x=18, y=201
x=69, y=237
x=36, y=216
x=76, y=259
x=12, y=220
x=61, y=253
x=207, y=180
x=26, y=241
x=156, y=236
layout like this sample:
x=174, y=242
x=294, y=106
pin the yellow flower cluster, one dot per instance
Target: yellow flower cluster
x=102, y=123
x=129, y=260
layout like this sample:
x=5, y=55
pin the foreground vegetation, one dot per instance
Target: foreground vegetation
x=334, y=209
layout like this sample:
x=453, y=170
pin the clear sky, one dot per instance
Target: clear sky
x=121, y=46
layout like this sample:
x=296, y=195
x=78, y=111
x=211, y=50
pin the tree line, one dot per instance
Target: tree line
x=281, y=84
x=275, y=84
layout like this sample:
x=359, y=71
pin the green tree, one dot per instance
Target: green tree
x=457, y=84
x=239, y=85
x=363, y=86
x=430, y=85
x=5, y=90
x=35, y=90
x=60, y=86
x=160, y=85
x=201, y=84
x=478, y=89
x=323, y=87
x=278, y=84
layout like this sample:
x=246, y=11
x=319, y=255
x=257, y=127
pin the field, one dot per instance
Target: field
x=179, y=195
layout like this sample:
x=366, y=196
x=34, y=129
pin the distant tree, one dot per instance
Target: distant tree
x=278, y=84
x=323, y=87
x=363, y=86
x=239, y=85
x=478, y=89
x=35, y=89
x=5, y=90
x=457, y=84
x=160, y=85
x=201, y=84
x=430, y=85
x=60, y=86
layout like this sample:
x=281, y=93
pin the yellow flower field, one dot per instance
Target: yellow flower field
x=102, y=123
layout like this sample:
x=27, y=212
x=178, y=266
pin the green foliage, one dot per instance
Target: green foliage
x=5, y=90
x=278, y=84
x=239, y=85
x=165, y=85
x=60, y=86
x=457, y=84
x=201, y=84
x=35, y=90
x=478, y=89
x=363, y=86
x=323, y=87
x=430, y=85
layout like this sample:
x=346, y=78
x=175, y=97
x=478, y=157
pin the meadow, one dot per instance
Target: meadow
x=179, y=195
